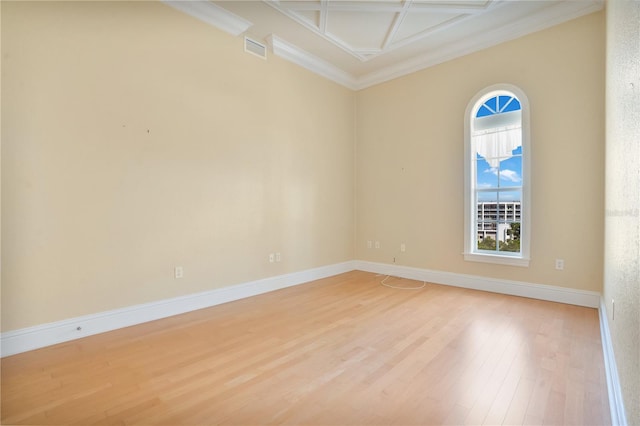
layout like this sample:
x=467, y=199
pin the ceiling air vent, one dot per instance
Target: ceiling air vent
x=255, y=48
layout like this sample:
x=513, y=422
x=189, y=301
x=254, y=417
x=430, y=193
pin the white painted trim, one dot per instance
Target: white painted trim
x=470, y=202
x=472, y=44
x=315, y=29
x=26, y=339
x=212, y=14
x=294, y=54
x=569, y=296
x=235, y=25
x=616, y=403
x=494, y=258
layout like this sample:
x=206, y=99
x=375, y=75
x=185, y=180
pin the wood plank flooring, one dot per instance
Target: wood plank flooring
x=338, y=351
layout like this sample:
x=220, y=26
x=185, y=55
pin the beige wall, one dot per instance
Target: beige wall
x=410, y=157
x=622, y=222
x=136, y=138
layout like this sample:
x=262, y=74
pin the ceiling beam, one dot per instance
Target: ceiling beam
x=397, y=22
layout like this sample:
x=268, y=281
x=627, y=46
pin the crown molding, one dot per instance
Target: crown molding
x=294, y=54
x=212, y=15
x=314, y=29
x=474, y=44
x=235, y=25
x=516, y=29
x=293, y=8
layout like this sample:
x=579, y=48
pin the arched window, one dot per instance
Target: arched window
x=497, y=177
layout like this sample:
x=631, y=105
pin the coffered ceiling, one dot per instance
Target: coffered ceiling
x=361, y=43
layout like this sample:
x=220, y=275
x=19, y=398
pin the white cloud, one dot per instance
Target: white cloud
x=510, y=175
x=506, y=174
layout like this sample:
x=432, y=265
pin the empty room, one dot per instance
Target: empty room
x=329, y=212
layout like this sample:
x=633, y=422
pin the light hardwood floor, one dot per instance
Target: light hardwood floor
x=342, y=350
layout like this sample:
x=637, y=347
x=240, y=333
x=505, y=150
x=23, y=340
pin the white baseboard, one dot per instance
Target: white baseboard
x=616, y=404
x=569, y=296
x=26, y=339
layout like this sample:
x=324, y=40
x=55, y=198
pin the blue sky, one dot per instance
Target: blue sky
x=507, y=174
x=498, y=104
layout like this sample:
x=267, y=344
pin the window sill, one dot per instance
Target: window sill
x=497, y=259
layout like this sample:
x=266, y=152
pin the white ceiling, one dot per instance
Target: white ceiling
x=361, y=43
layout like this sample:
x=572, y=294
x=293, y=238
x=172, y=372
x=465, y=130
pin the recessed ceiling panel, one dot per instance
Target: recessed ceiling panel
x=370, y=41
x=360, y=30
x=419, y=23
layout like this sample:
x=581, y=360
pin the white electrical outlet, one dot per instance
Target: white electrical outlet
x=369, y=244
x=403, y=247
x=278, y=257
x=377, y=244
x=560, y=264
x=272, y=257
x=178, y=272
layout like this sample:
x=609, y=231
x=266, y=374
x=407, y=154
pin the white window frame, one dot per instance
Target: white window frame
x=470, y=233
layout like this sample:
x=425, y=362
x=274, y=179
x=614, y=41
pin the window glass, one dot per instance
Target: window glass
x=496, y=190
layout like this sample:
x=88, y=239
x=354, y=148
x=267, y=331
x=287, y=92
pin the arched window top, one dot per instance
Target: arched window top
x=497, y=176
x=498, y=104
x=496, y=100
x=497, y=127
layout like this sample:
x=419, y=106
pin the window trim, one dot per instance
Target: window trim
x=470, y=253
